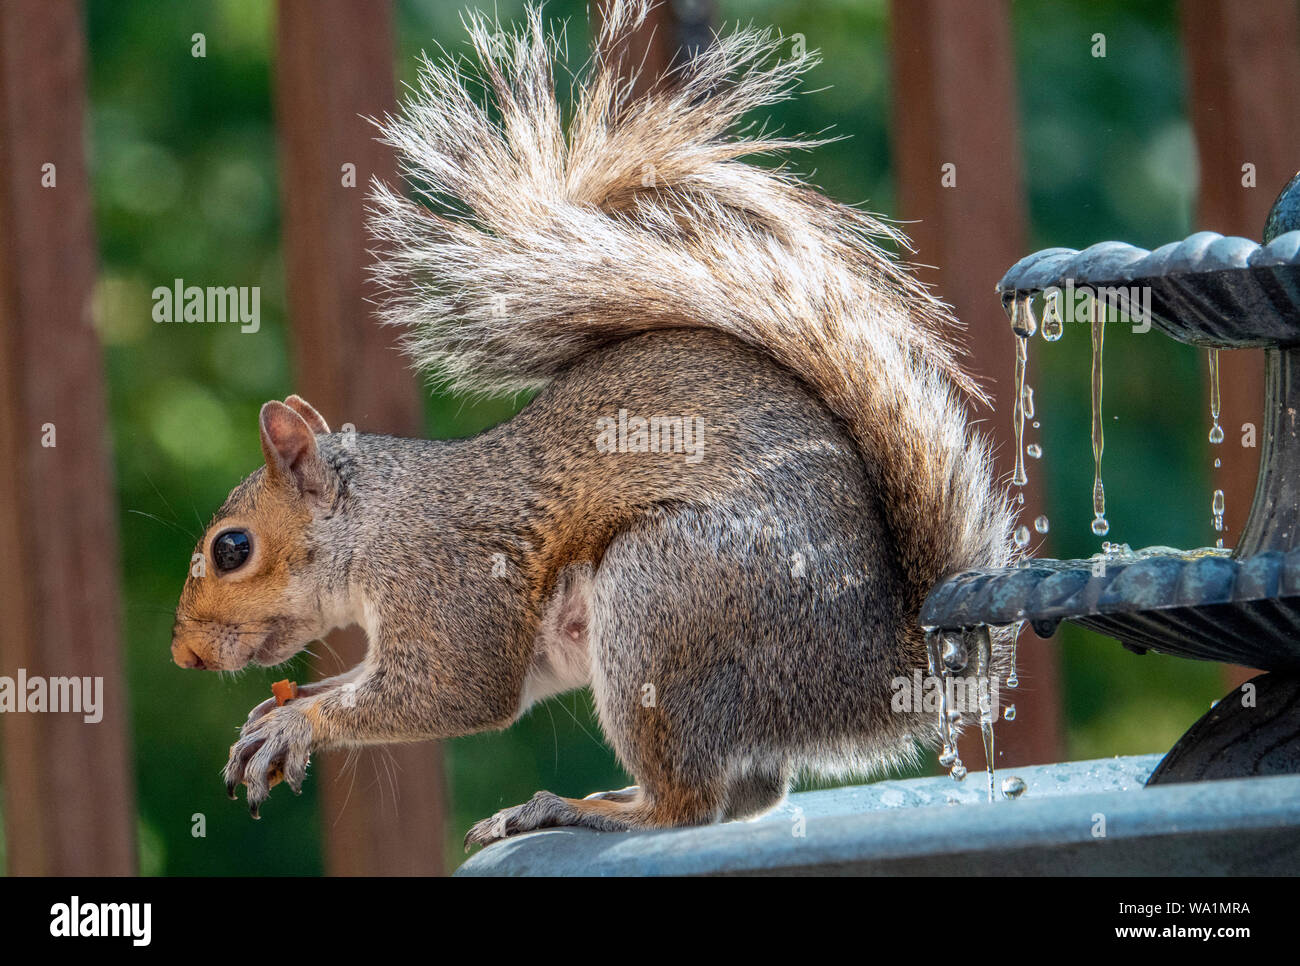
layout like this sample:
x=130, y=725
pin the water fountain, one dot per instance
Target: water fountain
x=1240, y=606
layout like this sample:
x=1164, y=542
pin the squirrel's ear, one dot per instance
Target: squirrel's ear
x=313, y=419
x=289, y=446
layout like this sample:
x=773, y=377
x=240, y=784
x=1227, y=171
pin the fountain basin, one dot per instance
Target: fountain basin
x=1197, y=604
x=934, y=826
x=1207, y=290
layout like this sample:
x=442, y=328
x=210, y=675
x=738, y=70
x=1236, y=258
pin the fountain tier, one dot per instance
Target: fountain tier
x=1212, y=291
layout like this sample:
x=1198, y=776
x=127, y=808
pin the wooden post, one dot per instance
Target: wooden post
x=954, y=104
x=68, y=786
x=335, y=65
x=1243, y=75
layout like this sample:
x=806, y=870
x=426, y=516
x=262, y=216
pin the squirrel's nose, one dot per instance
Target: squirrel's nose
x=184, y=657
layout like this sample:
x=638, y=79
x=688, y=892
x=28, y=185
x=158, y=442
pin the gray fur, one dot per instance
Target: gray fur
x=741, y=614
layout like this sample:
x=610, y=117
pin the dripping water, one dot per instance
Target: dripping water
x=983, y=668
x=1099, y=524
x=1023, y=325
x=1018, y=416
x=1216, y=437
x=952, y=658
x=947, y=754
x=955, y=654
x=1053, y=326
x=1013, y=681
x=1021, y=311
x=1216, y=431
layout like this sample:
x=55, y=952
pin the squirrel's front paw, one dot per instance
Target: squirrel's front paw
x=275, y=746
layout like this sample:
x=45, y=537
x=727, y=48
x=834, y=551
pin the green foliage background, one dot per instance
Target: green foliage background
x=185, y=182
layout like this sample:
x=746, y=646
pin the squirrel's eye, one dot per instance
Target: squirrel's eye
x=231, y=549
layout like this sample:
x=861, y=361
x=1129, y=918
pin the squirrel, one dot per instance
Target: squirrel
x=749, y=461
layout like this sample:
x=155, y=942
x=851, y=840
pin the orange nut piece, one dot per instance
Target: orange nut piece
x=285, y=690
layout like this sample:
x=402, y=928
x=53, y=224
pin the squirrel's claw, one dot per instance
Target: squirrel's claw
x=276, y=748
x=543, y=810
x=487, y=831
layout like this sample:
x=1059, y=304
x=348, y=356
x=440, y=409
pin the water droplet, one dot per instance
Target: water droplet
x=958, y=771
x=1037, y=424
x=1022, y=537
x=1041, y=524
x=1009, y=712
x=1013, y=786
x=1013, y=680
x=1216, y=509
x=1100, y=526
x=947, y=759
x=1053, y=327
x=1034, y=451
x=1020, y=311
x=1029, y=402
x=954, y=655
x=1217, y=462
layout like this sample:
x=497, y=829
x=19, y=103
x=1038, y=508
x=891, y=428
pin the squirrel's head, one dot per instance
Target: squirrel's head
x=254, y=595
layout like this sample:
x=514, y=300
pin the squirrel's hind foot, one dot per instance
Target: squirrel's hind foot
x=619, y=811
x=547, y=810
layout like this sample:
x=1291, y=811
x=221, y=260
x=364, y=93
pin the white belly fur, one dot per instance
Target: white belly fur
x=561, y=658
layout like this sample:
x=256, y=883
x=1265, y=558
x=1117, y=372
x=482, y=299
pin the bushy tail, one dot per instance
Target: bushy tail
x=546, y=240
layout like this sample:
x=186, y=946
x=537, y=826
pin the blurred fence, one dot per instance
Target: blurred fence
x=68, y=785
